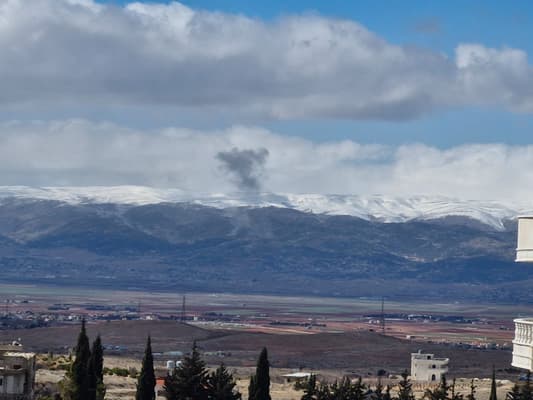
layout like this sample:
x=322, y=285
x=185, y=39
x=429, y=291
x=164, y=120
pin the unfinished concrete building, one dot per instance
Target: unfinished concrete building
x=17, y=373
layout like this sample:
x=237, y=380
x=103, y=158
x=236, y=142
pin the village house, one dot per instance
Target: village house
x=428, y=368
x=17, y=373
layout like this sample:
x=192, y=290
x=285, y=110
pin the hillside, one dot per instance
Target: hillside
x=189, y=246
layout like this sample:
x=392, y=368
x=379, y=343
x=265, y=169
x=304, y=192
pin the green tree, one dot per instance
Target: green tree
x=493, y=395
x=79, y=373
x=310, y=390
x=146, y=381
x=96, y=370
x=405, y=390
x=440, y=392
x=189, y=380
x=262, y=377
x=472, y=394
x=252, y=387
x=357, y=390
x=221, y=385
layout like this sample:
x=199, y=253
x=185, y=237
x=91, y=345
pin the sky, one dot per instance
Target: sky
x=369, y=97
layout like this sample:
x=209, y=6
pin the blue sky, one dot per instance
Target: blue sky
x=436, y=25
x=358, y=97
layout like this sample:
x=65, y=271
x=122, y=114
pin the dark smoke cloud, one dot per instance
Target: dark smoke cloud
x=246, y=166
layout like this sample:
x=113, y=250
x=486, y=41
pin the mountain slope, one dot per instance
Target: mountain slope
x=188, y=246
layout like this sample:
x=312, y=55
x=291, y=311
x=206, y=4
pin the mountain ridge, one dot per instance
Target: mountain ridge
x=381, y=208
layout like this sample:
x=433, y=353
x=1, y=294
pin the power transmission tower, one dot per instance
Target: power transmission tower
x=183, y=312
x=383, y=315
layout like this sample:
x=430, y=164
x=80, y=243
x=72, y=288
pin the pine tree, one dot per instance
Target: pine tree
x=405, y=391
x=493, y=395
x=189, y=380
x=262, y=377
x=310, y=388
x=221, y=385
x=79, y=373
x=146, y=381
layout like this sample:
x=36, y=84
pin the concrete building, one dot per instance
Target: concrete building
x=523, y=337
x=17, y=373
x=523, y=344
x=426, y=367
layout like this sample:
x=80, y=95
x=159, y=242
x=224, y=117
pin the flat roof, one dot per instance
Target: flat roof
x=27, y=356
x=298, y=375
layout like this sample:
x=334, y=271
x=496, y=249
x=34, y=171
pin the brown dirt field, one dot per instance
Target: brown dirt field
x=359, y=352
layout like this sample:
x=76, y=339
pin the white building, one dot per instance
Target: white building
x=523, y=344
x=17, y=373
x=524, y=249
x=523, y=337
x=425, y=367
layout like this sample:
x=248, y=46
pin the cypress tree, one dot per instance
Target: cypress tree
x=146, y=381
x=96, y=370
x=79, y=373
x=262, y=377
x=221, y=385
x=252, y=387
x=493, y=395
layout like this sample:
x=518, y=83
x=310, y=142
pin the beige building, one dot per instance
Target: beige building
x=17, y=373
x=426, y=367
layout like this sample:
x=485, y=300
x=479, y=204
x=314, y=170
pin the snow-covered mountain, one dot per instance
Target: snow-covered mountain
x=376, y=207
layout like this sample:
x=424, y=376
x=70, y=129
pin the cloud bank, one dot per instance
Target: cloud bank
x=56, y=53
x=78, y=153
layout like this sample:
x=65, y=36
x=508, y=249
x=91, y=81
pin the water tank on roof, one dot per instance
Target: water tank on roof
x=524, y=249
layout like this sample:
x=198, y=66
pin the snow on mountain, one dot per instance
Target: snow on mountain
x=380, y=208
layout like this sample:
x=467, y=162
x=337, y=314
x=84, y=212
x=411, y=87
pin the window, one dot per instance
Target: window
x=433, y=377
x=1, y=381
x=433, y=366
x=429, y=357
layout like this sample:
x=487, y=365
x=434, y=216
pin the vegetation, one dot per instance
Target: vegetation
x=146, y=381
x=259, y=388
x=84, y=379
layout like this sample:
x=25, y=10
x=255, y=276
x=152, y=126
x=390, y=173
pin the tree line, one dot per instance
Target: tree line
x=191, y=380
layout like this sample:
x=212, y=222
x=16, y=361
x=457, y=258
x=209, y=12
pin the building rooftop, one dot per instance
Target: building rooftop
x=27, y=356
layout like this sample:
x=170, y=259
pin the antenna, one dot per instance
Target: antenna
x=383, y=315
x=182, y=317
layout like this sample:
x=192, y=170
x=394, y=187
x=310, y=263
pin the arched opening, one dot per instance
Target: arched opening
x=433, y=377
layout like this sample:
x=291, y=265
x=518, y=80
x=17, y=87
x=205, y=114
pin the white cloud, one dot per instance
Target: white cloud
x=56, y=53
x=77, y=152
